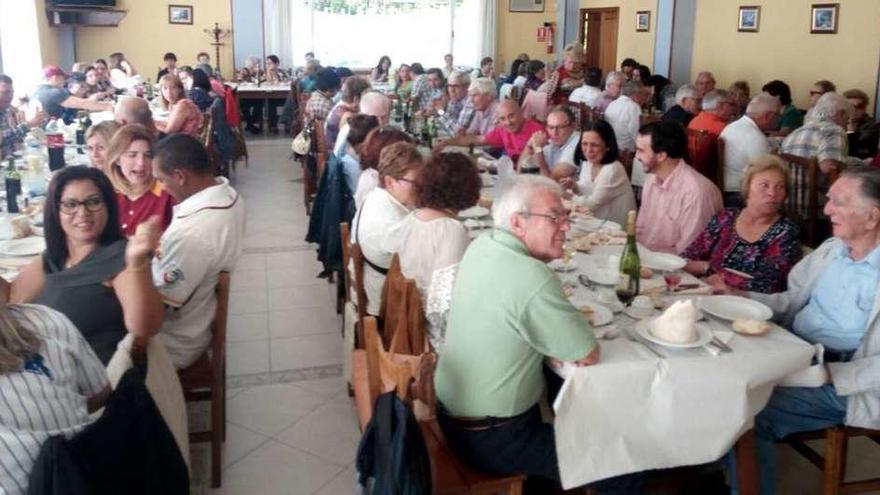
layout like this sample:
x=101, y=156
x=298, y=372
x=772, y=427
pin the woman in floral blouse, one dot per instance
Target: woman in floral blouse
x=752, y=248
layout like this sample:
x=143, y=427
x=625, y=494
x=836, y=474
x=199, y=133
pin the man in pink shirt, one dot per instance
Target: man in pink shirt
x=512, y=133
x=677, y=201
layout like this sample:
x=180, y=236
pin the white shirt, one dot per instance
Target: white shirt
x=520, y=81
x=375, y=230
x=623, y=114
x=483, y=120
x=610, y=195
x=743, y=140
x=341, y=140
x=585, y=94
x=367, y=181
x=429, y=253
x=204, y=238
x=48, y=397
x=554, y=154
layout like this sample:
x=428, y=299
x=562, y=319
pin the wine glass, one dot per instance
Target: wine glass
x=672, y=279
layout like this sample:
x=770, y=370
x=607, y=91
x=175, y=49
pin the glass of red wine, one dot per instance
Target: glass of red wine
x=672, y=279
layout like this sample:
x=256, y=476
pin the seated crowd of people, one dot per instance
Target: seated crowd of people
x=135, y=245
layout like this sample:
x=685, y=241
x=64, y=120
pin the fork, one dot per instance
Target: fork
x=586, y=282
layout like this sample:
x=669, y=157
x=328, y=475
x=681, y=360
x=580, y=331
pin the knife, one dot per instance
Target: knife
x=686, y=287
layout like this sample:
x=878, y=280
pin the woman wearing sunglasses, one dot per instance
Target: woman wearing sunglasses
x=89, y=271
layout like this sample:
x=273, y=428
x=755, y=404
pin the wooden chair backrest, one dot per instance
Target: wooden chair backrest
x=218, y=325
x=514, y=93
x=719, y=168
x=345, y=235
x=357, y=260
x=702, y=152
x=802, y=202
x=401, y=311
x=319, y=146
x=206, y=131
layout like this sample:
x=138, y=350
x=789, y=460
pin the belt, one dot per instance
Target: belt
x=835, y=356
x=477, y=423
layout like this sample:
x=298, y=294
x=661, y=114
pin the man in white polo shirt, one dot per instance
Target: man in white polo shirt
x=204, y=238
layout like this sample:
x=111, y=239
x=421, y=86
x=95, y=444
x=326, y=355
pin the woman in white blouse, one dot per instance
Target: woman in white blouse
x=602, y=183
x=432, y=239
x=377, y=222
x=377, y=140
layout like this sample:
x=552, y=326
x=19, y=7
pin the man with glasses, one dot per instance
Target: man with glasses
x=545, y=151
x=489, y=379
x=718, y=109
x=744, y=139
x=450, y=109
x=511, y=134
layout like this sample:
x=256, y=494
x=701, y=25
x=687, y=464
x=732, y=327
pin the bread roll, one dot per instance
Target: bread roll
x=751, y=327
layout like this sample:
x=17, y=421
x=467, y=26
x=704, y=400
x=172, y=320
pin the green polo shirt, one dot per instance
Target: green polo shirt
x=508, y=311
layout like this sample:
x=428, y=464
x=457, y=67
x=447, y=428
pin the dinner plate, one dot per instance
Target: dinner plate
x=561, y=266
x=704, y=335
x=661, y=261
x=602, y=276
x=28, y=246
x=592, y=223
x=601, y=315
x=735, y=308
x=473, y=212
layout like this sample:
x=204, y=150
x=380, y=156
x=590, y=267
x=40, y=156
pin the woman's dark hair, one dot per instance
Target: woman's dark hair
x=533, y=67
x=56, y=239
x=514, y=71
x=417, y=69
x=629, y=62
x=359, y=126
x=449, y=181
x=666, y=137
x=274, y=58
x=170, y=56
x=100, y=61
x=606, y=132
x=826, y=85
x=780, y=90
x=377, y=140
x=644, y=73
x=326, y=80
x=594, y=77
x=384, y=58
x=201, y=80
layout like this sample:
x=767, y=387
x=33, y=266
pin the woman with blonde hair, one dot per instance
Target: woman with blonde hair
x=98, y=139
x=138, y=194
x=183, y=114
x=751, y=248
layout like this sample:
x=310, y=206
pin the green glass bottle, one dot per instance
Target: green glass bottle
x=630, y=265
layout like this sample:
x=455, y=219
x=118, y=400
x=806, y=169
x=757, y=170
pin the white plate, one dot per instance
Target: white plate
x=704, y=335
x=735, y=308
x=640, y=316
x=661, y=261
x=591, y=224
x=602, y=276
x=601, y=314
x=28, y=246
x=473, y=212
x=561, y=266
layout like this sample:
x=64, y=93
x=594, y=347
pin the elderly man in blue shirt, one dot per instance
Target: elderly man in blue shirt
x=832, y=299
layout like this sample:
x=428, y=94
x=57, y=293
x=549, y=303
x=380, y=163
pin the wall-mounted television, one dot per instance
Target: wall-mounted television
x=84, y=3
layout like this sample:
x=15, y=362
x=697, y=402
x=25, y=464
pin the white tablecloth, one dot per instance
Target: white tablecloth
x=636, y=411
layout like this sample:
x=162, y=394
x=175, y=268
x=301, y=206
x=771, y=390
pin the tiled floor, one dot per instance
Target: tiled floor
x=291, y=426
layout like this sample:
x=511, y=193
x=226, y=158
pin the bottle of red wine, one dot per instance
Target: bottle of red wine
x=630, y=266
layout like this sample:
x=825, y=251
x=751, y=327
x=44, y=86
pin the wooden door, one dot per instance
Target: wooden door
x=599, y=37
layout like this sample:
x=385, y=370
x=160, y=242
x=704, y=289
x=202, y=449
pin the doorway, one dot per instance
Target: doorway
x=598, y=36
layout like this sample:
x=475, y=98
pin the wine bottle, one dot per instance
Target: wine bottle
x=13, y=186
x=628, y=286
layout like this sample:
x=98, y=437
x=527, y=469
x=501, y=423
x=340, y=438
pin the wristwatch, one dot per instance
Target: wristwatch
x=441, y=112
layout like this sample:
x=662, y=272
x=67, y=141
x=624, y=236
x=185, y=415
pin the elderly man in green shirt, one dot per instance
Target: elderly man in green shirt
x=508, y=312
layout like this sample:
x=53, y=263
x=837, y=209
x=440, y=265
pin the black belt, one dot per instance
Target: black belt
x=835, y=356
x=478, y=423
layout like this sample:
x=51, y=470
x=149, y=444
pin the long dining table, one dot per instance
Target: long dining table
x=645, y=406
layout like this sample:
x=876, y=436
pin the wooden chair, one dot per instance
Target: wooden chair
x=402, y=314
x=358, y=290
x=412, y=378
x=313, y=165
x=343, y=281
x=719, y=168
x=702, y=152
x=833, y=463
x=206, y=380
x=802, y=202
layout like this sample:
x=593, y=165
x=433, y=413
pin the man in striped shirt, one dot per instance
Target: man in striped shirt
x=50, y=380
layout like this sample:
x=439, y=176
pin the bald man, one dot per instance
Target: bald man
x=512, y=133
x=132, y=110
x=372, y=103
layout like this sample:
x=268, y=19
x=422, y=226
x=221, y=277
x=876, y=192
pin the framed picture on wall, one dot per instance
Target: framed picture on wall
x=526, y=6
x=823, y=19
x=180, y=14
x=643, y=20
x=749, y=19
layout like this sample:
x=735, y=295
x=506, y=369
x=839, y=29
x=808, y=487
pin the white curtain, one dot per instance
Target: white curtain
x=487, y=24
x=277, y=35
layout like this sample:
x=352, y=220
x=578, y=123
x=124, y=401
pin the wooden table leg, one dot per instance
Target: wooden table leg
x=747, y=463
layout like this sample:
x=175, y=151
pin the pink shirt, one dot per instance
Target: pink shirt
x=513, y=144
x=676, y=210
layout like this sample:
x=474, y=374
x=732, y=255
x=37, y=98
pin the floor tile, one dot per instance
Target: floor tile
x=275, y=468
x=342, y=484
x=292, y=277
x=329, y=387
x=248, y=301
x=269, y=409
x=330, y=432
x=308, y=321
x=251, y=326
x=248, y=280
x=305, y=296
x=250, y=262
x=306, y=351
x=247, y=357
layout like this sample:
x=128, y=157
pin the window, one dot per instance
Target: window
x=20, y=44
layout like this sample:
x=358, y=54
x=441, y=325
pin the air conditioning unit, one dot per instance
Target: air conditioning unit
x=527, y=5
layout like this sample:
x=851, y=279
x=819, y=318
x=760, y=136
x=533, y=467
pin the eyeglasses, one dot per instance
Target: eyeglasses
x=553, y=128
x=816, y=93
x=556, y=218
x=92, y=204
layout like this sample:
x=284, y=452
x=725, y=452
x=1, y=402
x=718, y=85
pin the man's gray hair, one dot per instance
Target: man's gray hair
x=762, y=103
x=705, y=74
x=869, y=182
x=483, y=86
x=829, y=105
x=461, y=77
x=518, y=196
x=134, y=110
x=630, y=88
x=615, y=74
x=686, y=91
x=713, y=99
x=375, y=103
